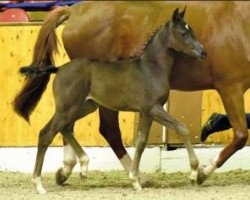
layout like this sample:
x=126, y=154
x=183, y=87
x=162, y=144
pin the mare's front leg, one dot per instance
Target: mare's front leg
x=162, y=117
x=142, y=138
x=233, y=100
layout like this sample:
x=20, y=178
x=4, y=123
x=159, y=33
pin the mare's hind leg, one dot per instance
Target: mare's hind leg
x=233, y=100
x=73, y=148
x=142, y=138
x=46, y=136
x=161, y=116
x=109, y=128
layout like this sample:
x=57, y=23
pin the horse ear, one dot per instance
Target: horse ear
x=176, y=15
x=182, y=13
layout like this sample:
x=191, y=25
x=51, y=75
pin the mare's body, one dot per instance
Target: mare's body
x=223, y=28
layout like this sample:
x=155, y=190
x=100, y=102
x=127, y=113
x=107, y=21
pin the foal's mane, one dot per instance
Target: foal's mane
x=152, y=36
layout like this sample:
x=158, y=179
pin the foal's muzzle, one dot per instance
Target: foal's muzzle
x=199, y=51
x=203, y=54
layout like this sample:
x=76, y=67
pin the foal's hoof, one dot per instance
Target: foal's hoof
x=193, y=177
x=83, y=175
x=60, y=177
x=193, y=181
x=39, y=186
x=135, y=182
x=201, y=175
x=143, y=180
x=41, y=191
x=137, y=187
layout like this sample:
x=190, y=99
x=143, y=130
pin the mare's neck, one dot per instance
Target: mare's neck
x=157, y=50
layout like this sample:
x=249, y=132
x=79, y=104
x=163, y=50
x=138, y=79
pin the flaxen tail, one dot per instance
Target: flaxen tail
x=46, y=45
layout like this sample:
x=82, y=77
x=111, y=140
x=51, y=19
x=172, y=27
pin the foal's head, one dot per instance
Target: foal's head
x=182, y=37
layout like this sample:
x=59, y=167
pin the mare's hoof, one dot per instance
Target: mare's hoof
x=201, y=175
x=60, y=177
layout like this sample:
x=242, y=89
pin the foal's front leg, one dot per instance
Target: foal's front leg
x=142, y=138
x=161, y=116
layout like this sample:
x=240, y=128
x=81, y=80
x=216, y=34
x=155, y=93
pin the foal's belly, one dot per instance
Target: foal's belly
x=116, y=95
x=114, y=103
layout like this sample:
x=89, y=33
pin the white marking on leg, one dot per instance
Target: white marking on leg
x=84, y=163
x=194, y=162
x=126, y=162
x=135, y=182
x=39, y=186
x=194, y=175
x=69, y=160
x=211, y=167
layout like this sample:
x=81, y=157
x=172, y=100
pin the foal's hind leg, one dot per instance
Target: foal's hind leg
x=142, y=138
x=73, y=148
x=159, y=115
x=46, y=136
x=69, y=159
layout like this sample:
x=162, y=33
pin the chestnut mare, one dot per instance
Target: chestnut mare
x=112, y=30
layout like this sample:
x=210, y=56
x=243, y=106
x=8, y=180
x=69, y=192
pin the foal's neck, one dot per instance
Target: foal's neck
x=157, y=50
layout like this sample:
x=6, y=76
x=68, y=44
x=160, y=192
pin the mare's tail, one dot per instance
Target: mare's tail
x=46, y=45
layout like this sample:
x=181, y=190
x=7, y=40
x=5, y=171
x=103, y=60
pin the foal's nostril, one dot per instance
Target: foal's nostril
x=203, y=53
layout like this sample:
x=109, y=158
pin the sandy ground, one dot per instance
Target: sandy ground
x=115, y=185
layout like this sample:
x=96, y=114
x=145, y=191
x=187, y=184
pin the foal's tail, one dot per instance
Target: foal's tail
x=46, y=45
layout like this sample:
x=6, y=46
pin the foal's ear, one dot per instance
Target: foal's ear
x=176, y=16
x=182, y=13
